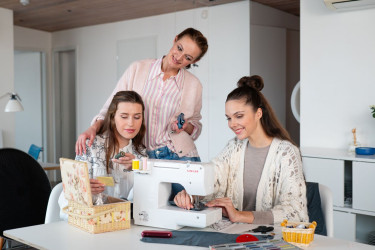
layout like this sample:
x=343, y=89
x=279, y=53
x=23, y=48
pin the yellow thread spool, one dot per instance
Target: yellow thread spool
x=135, y=164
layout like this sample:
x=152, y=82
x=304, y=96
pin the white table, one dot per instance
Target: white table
x=61, y=235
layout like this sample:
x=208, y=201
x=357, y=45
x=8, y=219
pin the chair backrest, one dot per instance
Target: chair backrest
x=24, y=188
x=34, y=151
x=314, y=207
x=53, y=208
x=327, y=207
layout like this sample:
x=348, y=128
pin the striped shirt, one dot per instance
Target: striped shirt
x=162, y=100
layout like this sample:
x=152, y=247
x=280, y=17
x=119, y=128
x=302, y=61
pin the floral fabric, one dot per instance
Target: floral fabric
x=76, y=181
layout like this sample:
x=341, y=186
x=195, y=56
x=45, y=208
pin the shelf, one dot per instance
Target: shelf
x=349, y=176
x=335, y=154
x=353, y=211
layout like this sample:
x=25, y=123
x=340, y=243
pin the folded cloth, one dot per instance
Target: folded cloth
x=199, y=238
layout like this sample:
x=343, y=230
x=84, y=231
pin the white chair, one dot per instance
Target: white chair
x=53, y=208
x=327, y=208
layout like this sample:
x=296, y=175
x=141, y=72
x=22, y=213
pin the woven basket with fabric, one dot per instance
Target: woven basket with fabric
x=100, y=218
x=298, y=236
x=112, y=216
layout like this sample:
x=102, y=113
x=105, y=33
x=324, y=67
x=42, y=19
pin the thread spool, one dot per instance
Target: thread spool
x=144, y=163
x=135, y=164
x=120, y=154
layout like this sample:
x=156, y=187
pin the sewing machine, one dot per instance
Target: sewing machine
x=152, y=189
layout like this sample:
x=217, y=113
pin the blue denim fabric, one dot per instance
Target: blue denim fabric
x=166, y=154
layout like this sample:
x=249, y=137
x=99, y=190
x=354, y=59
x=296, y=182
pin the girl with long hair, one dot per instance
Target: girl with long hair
x=259, y=175
x=122, y=130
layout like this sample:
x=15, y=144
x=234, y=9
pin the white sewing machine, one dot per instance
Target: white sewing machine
x=152, y=191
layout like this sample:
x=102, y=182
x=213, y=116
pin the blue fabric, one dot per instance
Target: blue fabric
x=199, y=238
x=167, y=154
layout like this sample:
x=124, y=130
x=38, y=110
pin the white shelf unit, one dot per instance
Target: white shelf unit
x=348, y=176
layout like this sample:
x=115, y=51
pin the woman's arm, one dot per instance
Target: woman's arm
x=196, y=126
x=90, y=134
x=192, y=125
x=230, y=211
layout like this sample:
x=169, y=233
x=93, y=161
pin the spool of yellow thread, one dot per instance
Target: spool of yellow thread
x=135, y=164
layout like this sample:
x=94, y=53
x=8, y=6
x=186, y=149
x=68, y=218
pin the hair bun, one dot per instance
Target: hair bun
x=254, y=81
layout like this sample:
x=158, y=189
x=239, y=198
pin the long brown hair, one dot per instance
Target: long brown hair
x=198, y=38
x=248, y=89
x=109, y=127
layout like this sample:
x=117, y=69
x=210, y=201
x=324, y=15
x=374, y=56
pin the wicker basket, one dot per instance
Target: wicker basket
x=102, y=218
x=112, y=216
x=297, y=236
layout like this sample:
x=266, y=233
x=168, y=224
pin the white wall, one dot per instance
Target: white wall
x=227, y=29
x=267, y=16
x=7, y=120
x=337, y=75
x=32, y=40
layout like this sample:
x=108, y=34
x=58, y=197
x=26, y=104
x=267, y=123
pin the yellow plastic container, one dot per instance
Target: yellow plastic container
x=297, y=236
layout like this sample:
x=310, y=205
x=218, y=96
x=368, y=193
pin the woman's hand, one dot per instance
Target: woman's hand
x=187, y=127
x=230, y=211
x=90, y=134
x=126, y=161
x=183, y=200
x=227, y=206
x=96, y=186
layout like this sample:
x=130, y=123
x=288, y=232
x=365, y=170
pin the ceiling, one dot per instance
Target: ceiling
x=55, y=15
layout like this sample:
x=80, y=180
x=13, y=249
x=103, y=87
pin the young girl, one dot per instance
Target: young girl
x=122, y=130
x=259, y=175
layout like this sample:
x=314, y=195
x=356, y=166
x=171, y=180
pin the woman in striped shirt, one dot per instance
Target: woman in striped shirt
x=167, y=90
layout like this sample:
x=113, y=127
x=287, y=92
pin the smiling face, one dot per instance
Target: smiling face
x=183, y=52
x=242, y=119
x=128, y=121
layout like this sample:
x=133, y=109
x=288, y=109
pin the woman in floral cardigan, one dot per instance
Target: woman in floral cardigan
x=259, y=175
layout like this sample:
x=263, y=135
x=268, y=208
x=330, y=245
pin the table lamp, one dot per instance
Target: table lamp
x=14, y=104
